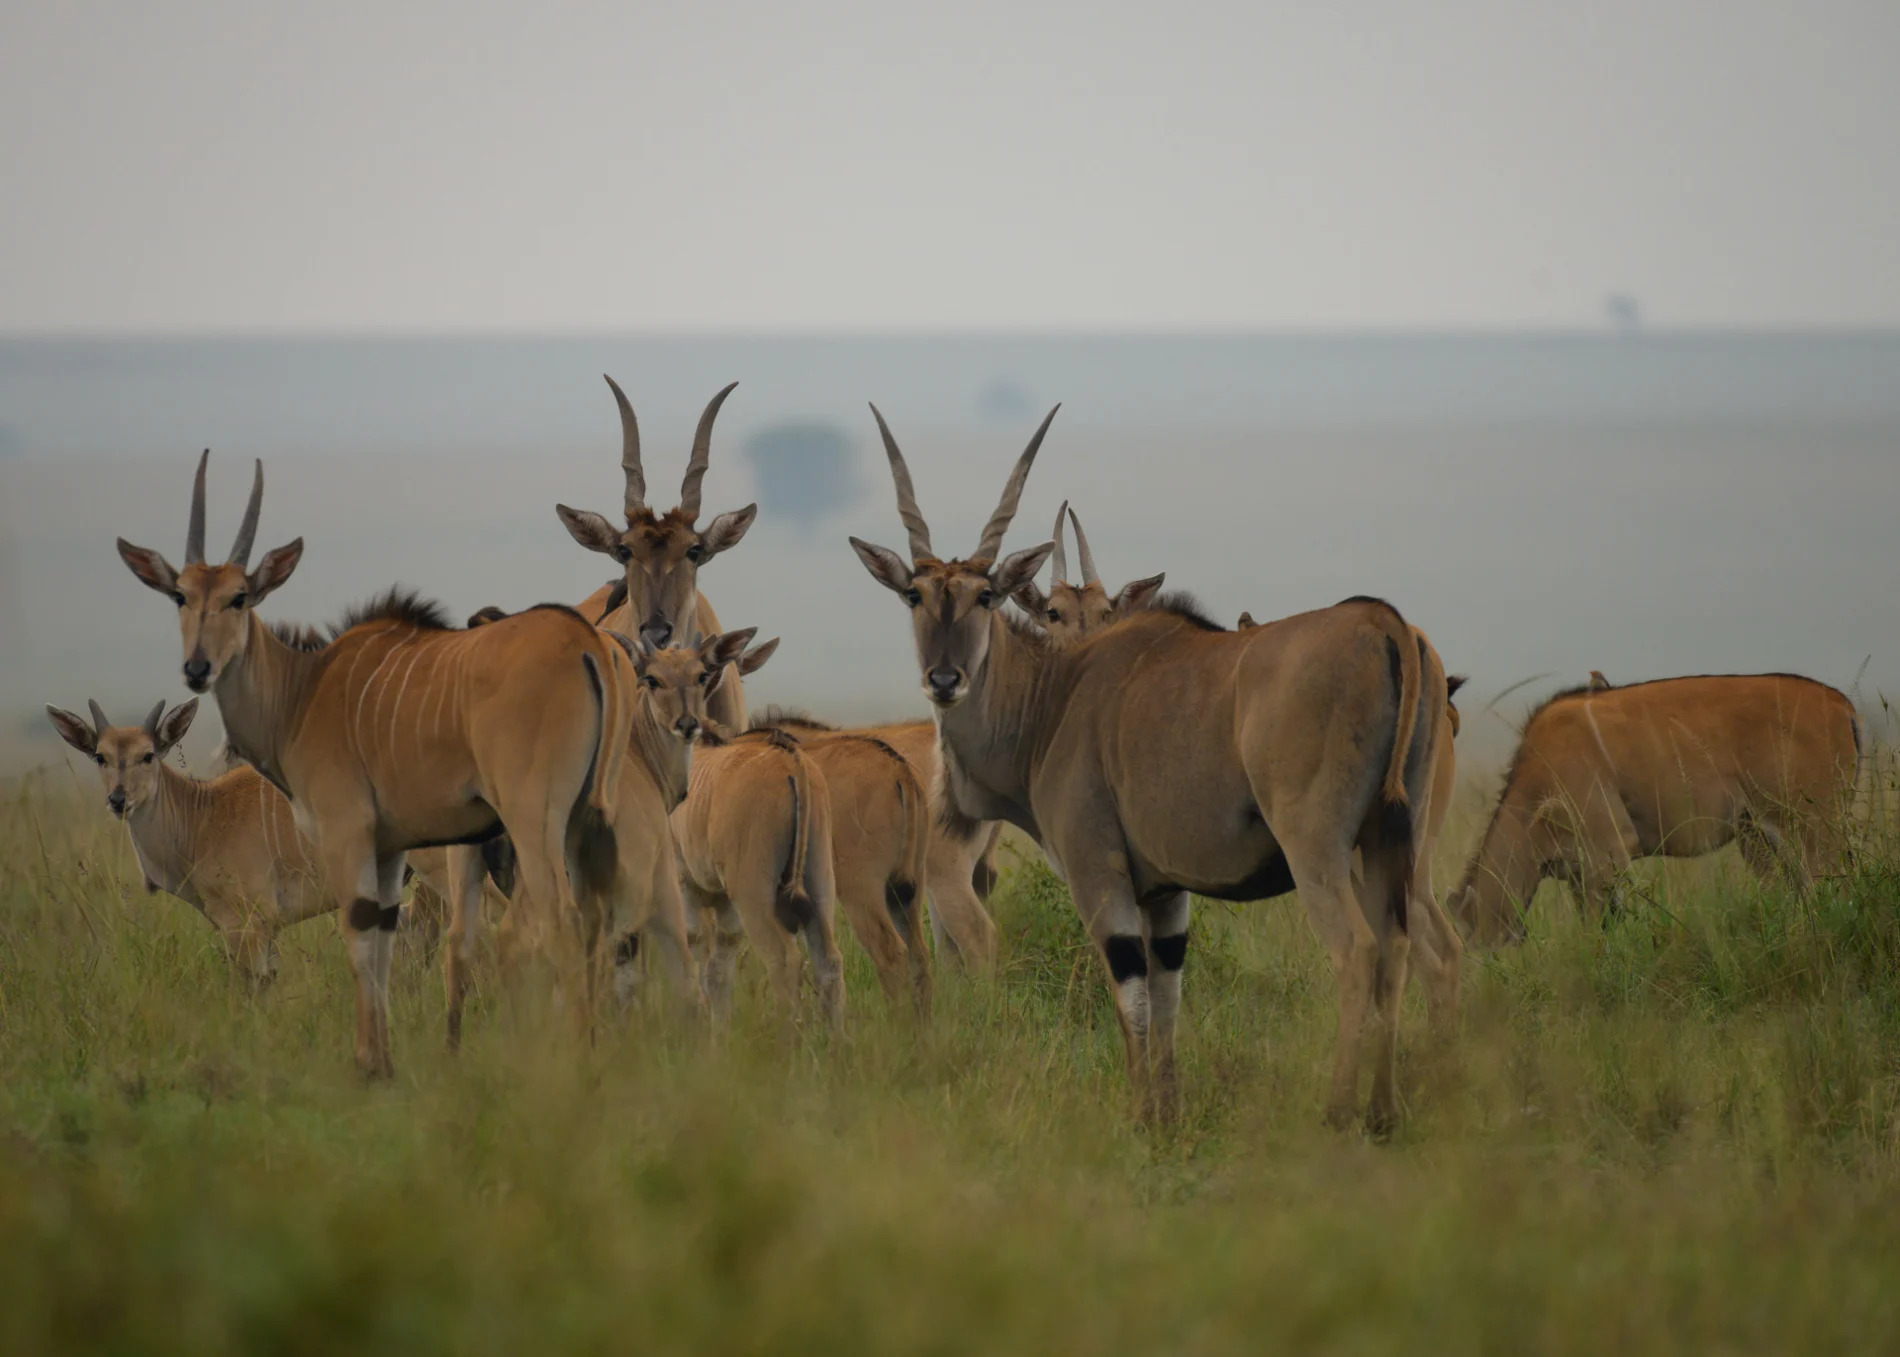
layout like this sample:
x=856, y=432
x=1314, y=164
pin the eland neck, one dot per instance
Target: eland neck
x=990, y=738
x=260, y=696
x=164, y=831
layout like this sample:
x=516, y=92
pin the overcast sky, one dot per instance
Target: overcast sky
x=480, y=166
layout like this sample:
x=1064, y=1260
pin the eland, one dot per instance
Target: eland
x=1165, y=755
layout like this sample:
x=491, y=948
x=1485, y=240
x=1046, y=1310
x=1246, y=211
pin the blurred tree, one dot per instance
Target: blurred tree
x=805, y=470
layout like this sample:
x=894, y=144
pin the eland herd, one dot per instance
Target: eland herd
x=592, y=773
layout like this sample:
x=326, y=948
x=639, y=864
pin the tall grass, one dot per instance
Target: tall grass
x=1679, y=1133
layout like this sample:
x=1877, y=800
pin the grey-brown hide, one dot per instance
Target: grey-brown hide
x=1163, y=756
x=661, y=553
x=228, y=847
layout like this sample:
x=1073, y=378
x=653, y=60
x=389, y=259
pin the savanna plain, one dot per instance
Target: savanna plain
x=1676, y=1132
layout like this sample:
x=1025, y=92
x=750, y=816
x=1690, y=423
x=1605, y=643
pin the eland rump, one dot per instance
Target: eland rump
x=401, y=732
x=1165, y=755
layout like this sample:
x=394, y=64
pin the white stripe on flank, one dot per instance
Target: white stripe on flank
x=369, y=685
x=395, y=704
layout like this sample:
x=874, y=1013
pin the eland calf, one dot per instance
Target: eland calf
x=880, y=838
x=754, y=839
x=227, y=847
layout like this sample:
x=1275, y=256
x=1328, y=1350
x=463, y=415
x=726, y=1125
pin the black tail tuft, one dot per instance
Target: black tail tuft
x=793, y=909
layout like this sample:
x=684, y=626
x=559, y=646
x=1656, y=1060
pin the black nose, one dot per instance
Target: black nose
x=196, y=674
x=943, y=682
x=656, y=631
x=687, y=726
x=116, y=800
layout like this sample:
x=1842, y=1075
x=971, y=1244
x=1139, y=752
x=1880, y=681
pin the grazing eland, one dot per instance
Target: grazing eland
x=1672, y=768
x=1165, y=755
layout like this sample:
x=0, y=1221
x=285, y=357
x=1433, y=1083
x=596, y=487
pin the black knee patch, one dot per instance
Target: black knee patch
x=627, y=949
x=389, y=918
x=1170, y=952
x=365, y=914
x=1126, y=956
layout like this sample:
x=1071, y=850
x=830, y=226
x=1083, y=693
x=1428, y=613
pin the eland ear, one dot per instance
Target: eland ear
x=172, y=729
x=273, y=570
x=1033, y=601
x=152, y=569
x=73, y=730
x=1138, y=594
x=1019, y=568
x=754, y=659
x=590, y=530
x=725, y=648
x=725, y=532
x=885, y=565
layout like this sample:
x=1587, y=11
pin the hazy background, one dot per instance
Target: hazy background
x=1573, y=330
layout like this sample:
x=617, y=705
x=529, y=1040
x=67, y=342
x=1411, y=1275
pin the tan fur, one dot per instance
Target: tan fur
x=1673, y=768
x=640, y=896
x=880, y=837
x=396, y=736
x=754, y=839
x=228, y=846
x=1159, y=757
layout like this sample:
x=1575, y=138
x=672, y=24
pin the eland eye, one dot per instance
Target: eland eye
x=623, y=554
x=986, y=599
x=238, y=601
x=146, y=759
x=1054, y=616
x=696, y=553
x=650, y=681
x=178, y=598
x=99, y=759
x=912, y=597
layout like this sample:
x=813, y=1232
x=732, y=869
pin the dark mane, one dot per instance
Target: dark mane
x=786, y=716
x=771, y=735
x=615, y=598
x=299, y=637
x=1184, y=605
x=400, y=604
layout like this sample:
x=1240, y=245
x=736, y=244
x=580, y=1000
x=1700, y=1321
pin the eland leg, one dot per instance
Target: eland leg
x=1105, y=901
x=463, y=888
x=1165, y=931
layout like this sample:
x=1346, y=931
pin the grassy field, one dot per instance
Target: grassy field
x=1679, y=1134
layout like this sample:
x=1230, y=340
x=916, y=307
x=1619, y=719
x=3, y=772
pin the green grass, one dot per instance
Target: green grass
x=1679, y=1134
